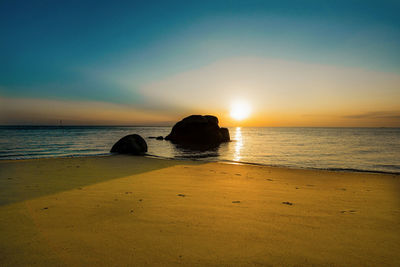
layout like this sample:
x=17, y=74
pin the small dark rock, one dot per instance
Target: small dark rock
x=287, y=203
x=131, y=144
x=181, y=195
x=160, y=138
x=225, y=134
x=236, y=201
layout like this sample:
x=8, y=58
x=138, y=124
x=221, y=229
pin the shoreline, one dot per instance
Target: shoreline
x=346, y=170
x=133, y=210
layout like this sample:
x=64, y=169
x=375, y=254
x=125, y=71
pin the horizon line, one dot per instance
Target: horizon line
x=79, y=125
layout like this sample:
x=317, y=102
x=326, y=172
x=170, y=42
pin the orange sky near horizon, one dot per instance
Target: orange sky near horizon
x=50, y=112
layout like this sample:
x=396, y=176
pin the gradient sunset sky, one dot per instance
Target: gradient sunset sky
x=297, y=63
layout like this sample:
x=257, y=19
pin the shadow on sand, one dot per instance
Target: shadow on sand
x=21, y=180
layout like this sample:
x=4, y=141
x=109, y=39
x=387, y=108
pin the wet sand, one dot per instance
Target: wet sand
x=135, y=211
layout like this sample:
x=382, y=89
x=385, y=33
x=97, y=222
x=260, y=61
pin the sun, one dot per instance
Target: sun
x=240, y=110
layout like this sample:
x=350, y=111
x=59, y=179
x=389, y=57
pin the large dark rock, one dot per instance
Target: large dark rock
x=198, y=130
x=131, y=144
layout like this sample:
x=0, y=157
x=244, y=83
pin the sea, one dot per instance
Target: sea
x=340, y=149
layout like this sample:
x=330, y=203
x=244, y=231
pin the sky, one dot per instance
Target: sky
x=295, y=63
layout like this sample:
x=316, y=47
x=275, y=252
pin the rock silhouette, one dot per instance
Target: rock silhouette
x=225, y=134
x=198, y=130
x=131, y=144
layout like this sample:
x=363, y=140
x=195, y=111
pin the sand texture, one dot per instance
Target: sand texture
x=136, y=211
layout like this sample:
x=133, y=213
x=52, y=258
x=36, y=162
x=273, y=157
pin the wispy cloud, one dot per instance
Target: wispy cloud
x=375, y=115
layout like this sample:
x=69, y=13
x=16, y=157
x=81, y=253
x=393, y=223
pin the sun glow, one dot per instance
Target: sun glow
x=240, y=110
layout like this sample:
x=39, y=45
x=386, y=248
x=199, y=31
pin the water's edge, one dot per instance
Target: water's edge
x=214, y=161
x=276, y=166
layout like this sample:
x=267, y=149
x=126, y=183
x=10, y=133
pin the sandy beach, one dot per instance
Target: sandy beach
x=137, y=211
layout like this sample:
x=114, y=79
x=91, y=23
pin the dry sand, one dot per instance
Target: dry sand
x=135, y=211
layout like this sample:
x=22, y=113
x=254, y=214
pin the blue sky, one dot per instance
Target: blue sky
x=109, y=50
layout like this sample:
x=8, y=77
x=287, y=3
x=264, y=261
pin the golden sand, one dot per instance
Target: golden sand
x=135, y=211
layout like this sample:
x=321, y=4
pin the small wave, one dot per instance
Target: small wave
x=201, y=156
x=87, y=150
x=45, y=156
x=365, y=151
x=356, y=170
x=312, y=168
x=389, y=166
x=8, y=156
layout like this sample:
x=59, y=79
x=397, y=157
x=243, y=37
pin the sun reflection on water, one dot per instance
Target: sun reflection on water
x=238, y=145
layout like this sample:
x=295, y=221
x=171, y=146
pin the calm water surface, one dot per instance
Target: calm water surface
x=368, y=149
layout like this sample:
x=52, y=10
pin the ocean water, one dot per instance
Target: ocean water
x=362, y=149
